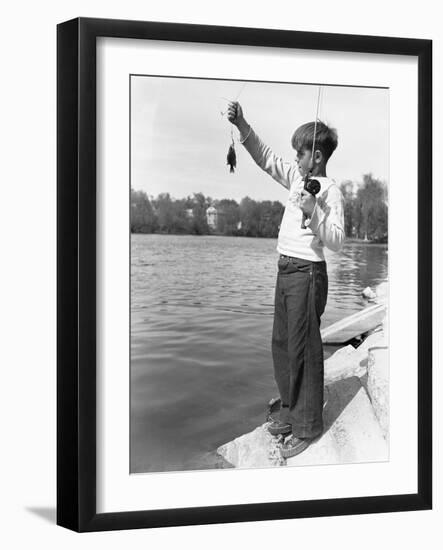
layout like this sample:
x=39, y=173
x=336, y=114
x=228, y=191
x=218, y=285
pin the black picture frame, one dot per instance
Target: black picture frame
x=76, y=273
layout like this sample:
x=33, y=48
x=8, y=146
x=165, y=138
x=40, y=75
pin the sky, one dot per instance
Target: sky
x=179, y=138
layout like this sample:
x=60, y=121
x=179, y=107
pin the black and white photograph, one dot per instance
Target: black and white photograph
x=259, y=288
x=221, y=298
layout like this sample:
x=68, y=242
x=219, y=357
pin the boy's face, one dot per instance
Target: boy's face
x=303, y=159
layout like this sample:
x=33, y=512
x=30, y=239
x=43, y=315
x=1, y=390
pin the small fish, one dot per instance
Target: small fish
x=231, y=159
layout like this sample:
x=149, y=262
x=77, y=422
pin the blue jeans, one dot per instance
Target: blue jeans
x=297, y=351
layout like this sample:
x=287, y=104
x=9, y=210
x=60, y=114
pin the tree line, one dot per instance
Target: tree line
x=366, y=209
x=366, y=213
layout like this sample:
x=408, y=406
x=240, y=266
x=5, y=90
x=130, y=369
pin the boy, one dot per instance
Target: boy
x=309, y=223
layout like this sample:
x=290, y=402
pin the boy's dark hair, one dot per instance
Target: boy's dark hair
x=325, y=138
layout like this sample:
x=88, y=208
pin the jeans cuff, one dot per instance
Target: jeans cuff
x=284, y=414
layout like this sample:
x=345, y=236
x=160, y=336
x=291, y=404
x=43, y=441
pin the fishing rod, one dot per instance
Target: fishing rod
x=311, y=185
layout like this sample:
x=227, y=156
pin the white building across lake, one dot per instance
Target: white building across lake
x=211, y=217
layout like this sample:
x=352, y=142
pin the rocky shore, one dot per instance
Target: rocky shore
x=356, y=413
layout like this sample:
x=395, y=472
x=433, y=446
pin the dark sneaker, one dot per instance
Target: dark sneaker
x=293, y=446
x=277, y=427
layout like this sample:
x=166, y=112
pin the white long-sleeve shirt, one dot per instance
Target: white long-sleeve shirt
x=326, y=227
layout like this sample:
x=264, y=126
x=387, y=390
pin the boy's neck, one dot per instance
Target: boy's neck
x=319, y=171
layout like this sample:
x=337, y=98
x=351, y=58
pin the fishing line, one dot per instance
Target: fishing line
x=320, y=110
x=315, y=127
x=233, y=100
x=239, y=93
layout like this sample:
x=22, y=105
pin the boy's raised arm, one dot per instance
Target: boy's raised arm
x=283, y=172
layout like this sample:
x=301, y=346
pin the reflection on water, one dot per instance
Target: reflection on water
x=201, y=319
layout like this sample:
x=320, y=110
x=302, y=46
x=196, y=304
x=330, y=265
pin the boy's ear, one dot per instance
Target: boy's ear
x=318, y=156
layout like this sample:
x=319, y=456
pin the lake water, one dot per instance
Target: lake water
x=201, y=321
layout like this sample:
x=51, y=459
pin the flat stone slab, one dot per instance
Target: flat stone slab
x=355, y=325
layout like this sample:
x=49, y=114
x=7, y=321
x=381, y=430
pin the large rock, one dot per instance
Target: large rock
x=351, y=434
x=344, y=363
x=376, y=338
x=382, y=292
x=356, y=416
x=378, y=385
x=257, y=449
x=349, y=361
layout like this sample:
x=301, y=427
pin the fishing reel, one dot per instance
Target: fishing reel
x=313, y=186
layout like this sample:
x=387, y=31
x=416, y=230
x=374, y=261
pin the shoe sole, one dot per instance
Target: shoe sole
x=289, y=453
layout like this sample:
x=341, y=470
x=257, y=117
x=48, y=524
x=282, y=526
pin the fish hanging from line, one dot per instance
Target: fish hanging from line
x=231, y=158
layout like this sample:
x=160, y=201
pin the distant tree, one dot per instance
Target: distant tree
x=199, y=222
x=249, y=217
x=228, y=216
x=143, y=217
x=165, y=212
x=277, y=211
x=350, y=208
x=265, y=228
x=180, y=220
x=372, y=210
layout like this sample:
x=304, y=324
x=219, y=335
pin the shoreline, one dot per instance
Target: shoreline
x=348, y=240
